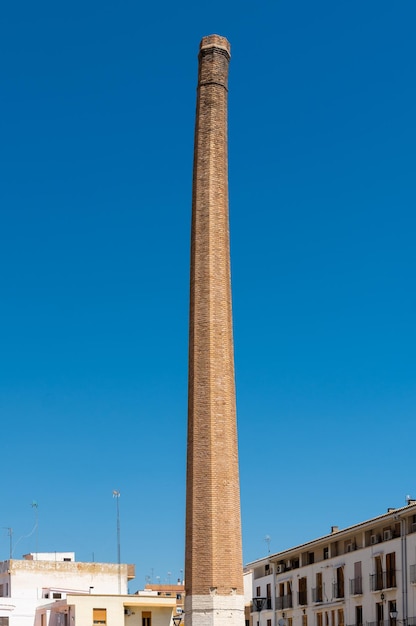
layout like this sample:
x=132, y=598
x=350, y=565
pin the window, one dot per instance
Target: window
x=319, y=587
x=326, y=553
x=99, y=616
x=269, y=622
x=356, y=583
x=258, y=592
x=302, y=596
x=377, y=578
x=380, y=613
x=358, y=616
x=290, y=621
x=392, y=611
x=391, y=569
x=268, y=597
x=340, y=617
x=319, y=619
x=4, y=621
x=339, y=583
x=146, y=618
x=57, y=596
x=304, y=620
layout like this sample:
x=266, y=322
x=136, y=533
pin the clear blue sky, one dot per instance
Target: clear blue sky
x=98, y=103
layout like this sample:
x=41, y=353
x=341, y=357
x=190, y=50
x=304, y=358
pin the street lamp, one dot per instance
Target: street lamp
x=177, y=619
x=259, y=603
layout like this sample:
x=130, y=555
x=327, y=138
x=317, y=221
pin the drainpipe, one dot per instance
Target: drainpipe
x=404, y=570
x=403, y=544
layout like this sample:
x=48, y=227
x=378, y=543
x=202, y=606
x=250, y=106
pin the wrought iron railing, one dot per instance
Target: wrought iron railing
x=338, y=590
x=356, y=586
x=383, y=580
x=284, y=602
x=317, y=594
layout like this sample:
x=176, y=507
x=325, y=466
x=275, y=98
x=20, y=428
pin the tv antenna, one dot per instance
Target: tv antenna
x=116, y=495
x=268, y=539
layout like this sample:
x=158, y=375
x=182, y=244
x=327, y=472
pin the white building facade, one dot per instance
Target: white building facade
x=41, y=578
x=364, y=575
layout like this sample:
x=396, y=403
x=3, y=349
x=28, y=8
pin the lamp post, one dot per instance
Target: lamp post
x=34, y=506
x=259, y=603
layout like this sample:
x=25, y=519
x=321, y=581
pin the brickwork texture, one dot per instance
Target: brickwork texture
x=213, y=554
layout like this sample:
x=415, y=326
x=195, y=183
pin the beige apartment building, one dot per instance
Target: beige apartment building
x=364, y=575
x=107, y=610
x=176, y=591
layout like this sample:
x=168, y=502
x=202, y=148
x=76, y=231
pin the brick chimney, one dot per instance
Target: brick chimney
x=213, y=554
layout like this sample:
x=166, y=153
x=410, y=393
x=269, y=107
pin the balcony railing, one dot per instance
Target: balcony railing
x=383, y=580
x=317, y=594
x=284, y=602
x=338, y=590
x=302, y=598
x=356, y=586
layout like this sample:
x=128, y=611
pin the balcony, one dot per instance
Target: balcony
x=284, y=602
x=356, y=586
x=383, y=580
x=317, y=595
x=338, y=590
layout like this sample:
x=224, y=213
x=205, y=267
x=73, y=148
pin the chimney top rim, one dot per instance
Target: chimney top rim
x=215, y=41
